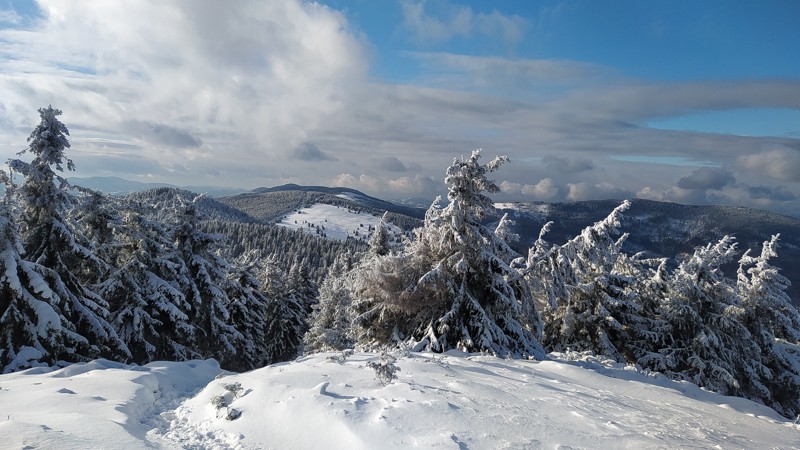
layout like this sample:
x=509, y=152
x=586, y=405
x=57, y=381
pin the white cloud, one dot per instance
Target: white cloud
x=779, y=163
x=600, y=191
x=403, y=186
x=248, y=78
x=451, y=21
x=545, y=190
x=9, y=16
x=362, y=182
x=194, y=88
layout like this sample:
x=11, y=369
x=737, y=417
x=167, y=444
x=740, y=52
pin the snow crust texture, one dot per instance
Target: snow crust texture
x=335, y=401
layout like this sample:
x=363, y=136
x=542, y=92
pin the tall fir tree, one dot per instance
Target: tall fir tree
x=774, y=324
x=453, y=287
x=148, y=308
x=51, y=242
x=206, y=272
x=331, y=321
x=287, y=312
x=33, y=330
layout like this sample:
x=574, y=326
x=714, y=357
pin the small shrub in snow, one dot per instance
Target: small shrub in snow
x=342, y=357
x=385, y=370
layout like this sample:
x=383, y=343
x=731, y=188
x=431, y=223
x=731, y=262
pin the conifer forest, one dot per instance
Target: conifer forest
x=171, y=275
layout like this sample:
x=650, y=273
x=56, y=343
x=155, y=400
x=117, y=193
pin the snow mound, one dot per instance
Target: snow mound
x=337, y=401
x=101, y=404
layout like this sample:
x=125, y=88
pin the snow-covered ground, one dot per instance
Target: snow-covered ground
x=327, y=401
x=338, y=222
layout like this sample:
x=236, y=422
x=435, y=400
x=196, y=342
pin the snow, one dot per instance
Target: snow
x=339, y=222
x=335, y=401
x=536, y=211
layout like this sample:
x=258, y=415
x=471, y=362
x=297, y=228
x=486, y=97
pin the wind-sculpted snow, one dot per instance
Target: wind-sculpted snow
x=335, y=401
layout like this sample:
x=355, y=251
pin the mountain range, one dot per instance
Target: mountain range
x=660, y=229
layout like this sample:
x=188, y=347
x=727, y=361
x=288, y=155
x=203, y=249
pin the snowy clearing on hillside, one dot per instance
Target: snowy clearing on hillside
x=334, y=221
x=335, y=401
x=533, y=210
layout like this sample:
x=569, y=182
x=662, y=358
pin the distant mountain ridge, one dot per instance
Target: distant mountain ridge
x=661, y=229
x=658, y=228
x=121, y=186
x=271, y=204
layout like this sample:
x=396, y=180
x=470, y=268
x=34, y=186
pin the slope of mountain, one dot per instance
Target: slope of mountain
x=119, y=186
x=272, y=204
x=209, y=208
x=336, y=401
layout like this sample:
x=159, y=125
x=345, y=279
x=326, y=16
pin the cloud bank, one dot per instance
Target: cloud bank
x=248, y=93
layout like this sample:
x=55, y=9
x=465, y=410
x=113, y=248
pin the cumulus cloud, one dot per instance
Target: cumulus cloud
x=707, y=178
x=233, y=89
x=416, y=185
x=779, y=163
x=451, y=21
x=545, y=190
x=362, y=182
x=600, y=191
x=402, y=186
x=248, y=78
x=308, y=151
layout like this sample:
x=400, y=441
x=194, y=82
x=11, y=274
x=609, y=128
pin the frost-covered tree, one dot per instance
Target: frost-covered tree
x=50, y=241
x=774, y=324
x=32, y=330
x=249, y=310
x=206, y=274
x=332, y=317
x=452, y=288
x=287, y=312
x=599, y=311
x=649, y=330
x=380, y=241
x=707, y=342
x=149, y=309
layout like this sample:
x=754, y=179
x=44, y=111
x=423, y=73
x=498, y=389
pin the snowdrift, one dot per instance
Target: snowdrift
x=336, y=401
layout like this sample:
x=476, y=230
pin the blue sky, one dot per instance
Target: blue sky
x=688, y=101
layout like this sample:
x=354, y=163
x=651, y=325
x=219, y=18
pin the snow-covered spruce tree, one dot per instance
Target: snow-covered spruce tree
x=204, y=287
x=452, y=288
x=249, y=309
x=50, y=241
x=774, y=324
x=707, y=343
x=287, y=312
x=33, y=331
x=380, y=241
x=331, y=319
x=600, y=312
x=148, y=308
x=649, y=330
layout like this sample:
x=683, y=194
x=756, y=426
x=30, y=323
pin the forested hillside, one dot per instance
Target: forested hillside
x=169, y=275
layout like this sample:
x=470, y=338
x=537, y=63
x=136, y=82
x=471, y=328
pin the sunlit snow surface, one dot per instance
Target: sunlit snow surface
x=324, y=401
x=338, y=222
